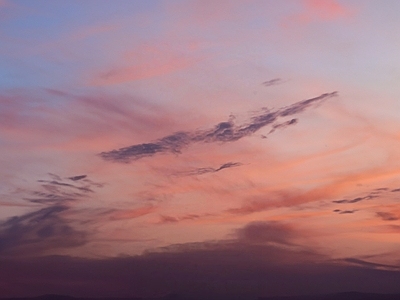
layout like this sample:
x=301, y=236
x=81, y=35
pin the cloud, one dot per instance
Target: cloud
x=39, y=231
x=318, y=11
x=200, y=171
x=57, y=191
x=283, y=125
x=271, y=82
x=221, y=133
x=372, y=265
x=326, y=9
x=168, y=219
x=355, y=200
x=258, y=261
x=375, y=193
x=147, y=61
x=88, y=122
x=48, y=227
x=165, y=219
x=262, y=201
x=264, y=232
x=79, y=177
x=250, y=207
x=343, y=212
x=386, y=216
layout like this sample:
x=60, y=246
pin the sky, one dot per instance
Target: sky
x=231, y=148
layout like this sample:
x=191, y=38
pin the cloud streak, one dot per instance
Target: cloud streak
x=223, y=132
x=201, y=171
x=271, y=82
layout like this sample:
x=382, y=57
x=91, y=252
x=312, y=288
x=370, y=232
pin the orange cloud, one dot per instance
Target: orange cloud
x=133, y=213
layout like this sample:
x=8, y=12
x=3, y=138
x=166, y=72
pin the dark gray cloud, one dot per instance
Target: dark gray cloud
x=272, y=82
x=375, y=193
x=355, y=200
x=283, y=125
x=200, y=171
x=79, y=177
x=301, y=106
x=343, y=212
x=223, y=132
x=228, y=165
x=387, y=216
x=395, y=190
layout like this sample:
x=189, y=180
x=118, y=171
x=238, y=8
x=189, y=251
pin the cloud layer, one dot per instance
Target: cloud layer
x=261, y=260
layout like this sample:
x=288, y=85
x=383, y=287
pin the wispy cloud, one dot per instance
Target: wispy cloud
x=79, y=177
x=46, y=228
x=221, y=133
x=59, y=192
x=387, y=216
x=165, y=219
x=344, y=212
x=355, y=200
x=283, y=125
x=37, y=232
x=200, y=171
x=271, y=82
x=375, y=193
x=371, y=265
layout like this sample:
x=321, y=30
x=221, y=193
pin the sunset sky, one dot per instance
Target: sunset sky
x=229, y=147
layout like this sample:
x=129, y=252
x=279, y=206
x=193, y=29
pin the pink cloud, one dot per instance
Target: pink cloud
x=336, y=187
x=317, y=11
x=87, y=122
x=326, y=9
x=145, y=62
